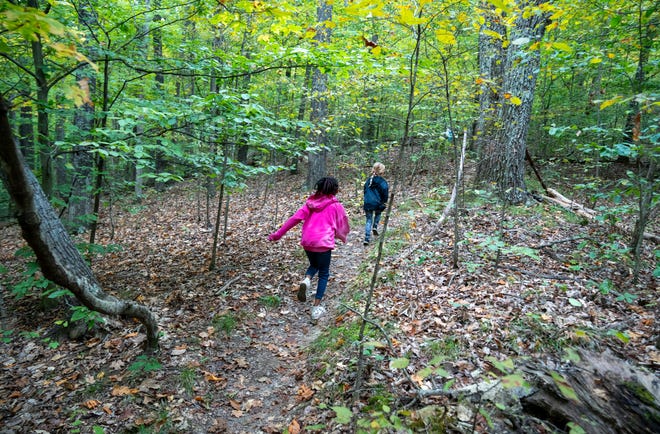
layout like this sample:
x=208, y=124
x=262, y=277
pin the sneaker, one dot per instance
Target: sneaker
x=317, y=312
x=302, y=289
x=375, y=232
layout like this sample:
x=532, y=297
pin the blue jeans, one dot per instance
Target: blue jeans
x=373, y=218
x=319, y=262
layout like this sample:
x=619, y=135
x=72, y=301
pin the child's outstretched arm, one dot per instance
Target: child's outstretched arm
x=299, y=216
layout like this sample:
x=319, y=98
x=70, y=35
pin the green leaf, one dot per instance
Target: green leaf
x=564, y=387
x=571, y=355
x=574, y=302
x=575, y=428
x=343, y=414
x=562, y=46
x=514, y=380
x=399, y=363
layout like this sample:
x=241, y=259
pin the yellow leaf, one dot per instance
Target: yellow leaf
x=596, y=60
x=562, y=46
x=408, y=18
x=212, y=377
x=445, y=37
x=515, y=100
x=492, y=34
x=609, y=102
x=376, y=51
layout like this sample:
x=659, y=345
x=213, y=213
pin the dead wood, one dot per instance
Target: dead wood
x=610, y=396
x=448, y=207
x=558, y=199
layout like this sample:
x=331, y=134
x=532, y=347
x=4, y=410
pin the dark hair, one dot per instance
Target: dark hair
x=326, y=186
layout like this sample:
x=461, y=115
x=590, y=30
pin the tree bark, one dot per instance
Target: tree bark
x=80, y=202
x=43, y=89
x=56, y=253
x=504, y=142
x=319, y=100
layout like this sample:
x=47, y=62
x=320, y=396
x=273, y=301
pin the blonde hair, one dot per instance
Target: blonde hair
x=379, y=168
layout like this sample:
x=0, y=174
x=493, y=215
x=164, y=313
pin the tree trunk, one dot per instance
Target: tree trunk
x=26, y=134
x=56, y=253
x=43, y=89
x=491, y=62
x=504, y=142
x=80, y=201
x=646, y=33
x=157, y=40
x=319, y=101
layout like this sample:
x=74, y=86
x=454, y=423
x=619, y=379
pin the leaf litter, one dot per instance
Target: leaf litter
x=235, y=343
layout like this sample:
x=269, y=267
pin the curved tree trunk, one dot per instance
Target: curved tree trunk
x=56, y=253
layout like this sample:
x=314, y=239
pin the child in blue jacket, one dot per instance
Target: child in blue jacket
x=376, y=191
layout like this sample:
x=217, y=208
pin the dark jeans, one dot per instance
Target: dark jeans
x=319, y=262
x=373, y=218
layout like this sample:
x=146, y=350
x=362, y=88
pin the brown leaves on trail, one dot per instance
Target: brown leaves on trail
x=305, y=393
x=294, y=427
x=233, y=353
x=123, y=391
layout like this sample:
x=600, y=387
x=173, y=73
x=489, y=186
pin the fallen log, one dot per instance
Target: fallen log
x=602, y=394
x=558, y=199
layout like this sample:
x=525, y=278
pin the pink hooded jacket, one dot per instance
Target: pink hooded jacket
x=324, y=220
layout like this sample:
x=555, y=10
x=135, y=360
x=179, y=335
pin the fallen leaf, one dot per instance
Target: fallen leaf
x=123, y=390
x=304, y=393
x=212, y=377
x=92, y=403
x=294, y=427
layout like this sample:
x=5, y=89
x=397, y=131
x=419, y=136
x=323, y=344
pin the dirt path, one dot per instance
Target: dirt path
x=249, y=376
x=270, y=385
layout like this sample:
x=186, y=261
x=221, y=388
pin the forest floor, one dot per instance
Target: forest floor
x=239, y=354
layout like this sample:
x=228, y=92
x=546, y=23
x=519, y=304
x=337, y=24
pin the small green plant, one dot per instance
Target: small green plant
x=448, y=347
x=51, y=343
x=270, y=301
x=32, y=279
x=225, y=322
x=187, y=378
x=5, y=336
x=144, y=364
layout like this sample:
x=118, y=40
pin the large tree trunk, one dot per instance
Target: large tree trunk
x=56, y=253
x=503, y=152
x=319, y=102
x=491, y=72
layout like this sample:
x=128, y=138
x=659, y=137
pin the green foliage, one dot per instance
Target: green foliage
x=32, y=280
x=144, y=364
x=496, y=245
x=447, y=347
x=270, y=301
x=187, y=378
x=226, y=322
x=5, y=336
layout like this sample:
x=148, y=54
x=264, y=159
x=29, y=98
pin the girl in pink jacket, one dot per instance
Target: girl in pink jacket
x=324, y=219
